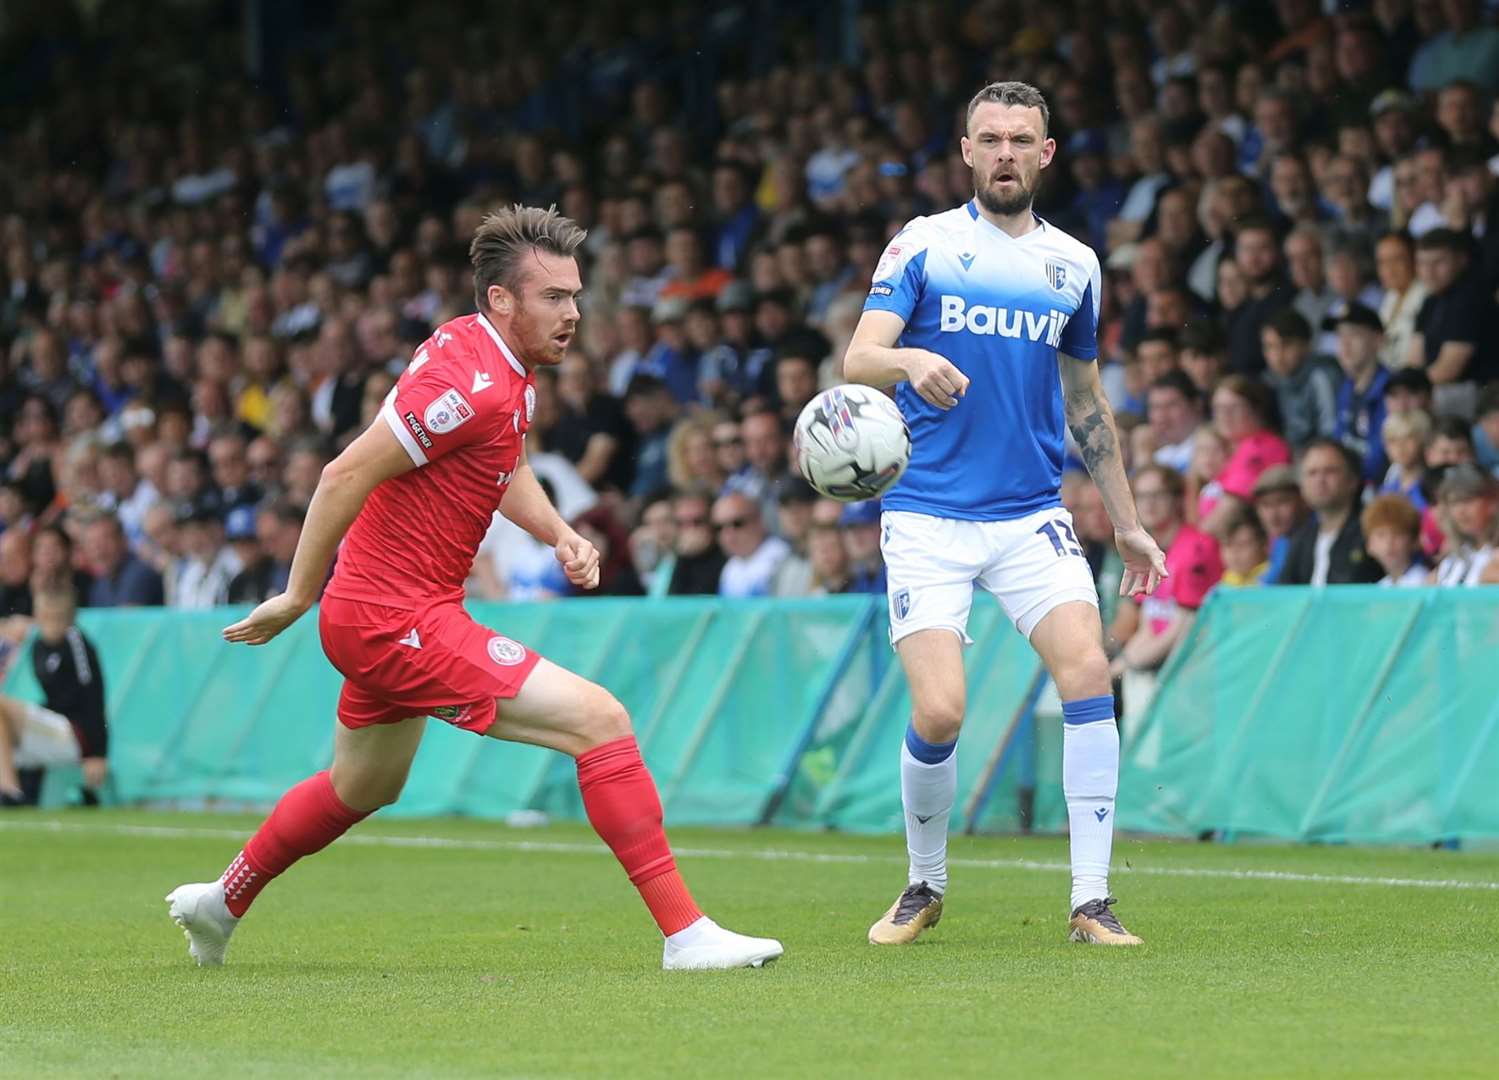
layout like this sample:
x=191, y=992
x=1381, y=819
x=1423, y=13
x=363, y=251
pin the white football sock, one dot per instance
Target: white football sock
x=1090, y=778
x=927, y=793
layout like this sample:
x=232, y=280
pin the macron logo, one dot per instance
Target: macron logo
x=1101, y=813
x=412, y=640
x=481, y=382
x=984, y=319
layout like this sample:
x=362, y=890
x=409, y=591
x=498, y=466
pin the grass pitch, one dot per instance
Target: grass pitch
x=461, y=948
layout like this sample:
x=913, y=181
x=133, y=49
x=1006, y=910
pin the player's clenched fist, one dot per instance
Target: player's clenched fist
x=580, y=561
x=934, y=378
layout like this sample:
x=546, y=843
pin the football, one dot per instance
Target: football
x=851, y=443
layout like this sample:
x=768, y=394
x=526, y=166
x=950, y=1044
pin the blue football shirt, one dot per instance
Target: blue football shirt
x=1000, y=309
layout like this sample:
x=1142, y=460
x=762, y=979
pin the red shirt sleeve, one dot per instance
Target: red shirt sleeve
x=432, y=409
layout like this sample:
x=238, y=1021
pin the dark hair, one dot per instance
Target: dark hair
x=1290, y=325
x=1011, y=93
x=1163, y=334
x=1181, y=382
x=1256, y=223
x=505, y=237
x=1203, y=337
x=1450, y=427
x=1171, y=480
x=1350, y=459
x=1242, y=518
x=1443, y=240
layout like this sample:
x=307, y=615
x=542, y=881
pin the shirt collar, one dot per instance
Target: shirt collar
x=500, y=344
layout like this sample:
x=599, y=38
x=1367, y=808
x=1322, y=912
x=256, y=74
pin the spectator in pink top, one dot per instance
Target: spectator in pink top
x=1151, y=628
x=1241, y=413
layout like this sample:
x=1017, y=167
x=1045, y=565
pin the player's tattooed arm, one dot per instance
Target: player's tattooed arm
x=1091, y=421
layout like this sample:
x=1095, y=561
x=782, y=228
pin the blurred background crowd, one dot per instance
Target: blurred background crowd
x=224, y=229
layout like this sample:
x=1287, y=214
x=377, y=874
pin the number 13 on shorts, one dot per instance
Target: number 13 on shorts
x=1063, y=539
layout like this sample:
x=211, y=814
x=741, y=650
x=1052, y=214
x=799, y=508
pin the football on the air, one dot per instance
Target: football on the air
x=851, y=443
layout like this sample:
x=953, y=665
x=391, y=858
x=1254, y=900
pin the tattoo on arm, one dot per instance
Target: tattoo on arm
x=1091, y=422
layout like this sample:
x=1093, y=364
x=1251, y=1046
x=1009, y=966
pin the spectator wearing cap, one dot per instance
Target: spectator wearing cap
x=1174, y=410
x=1404, y=437
x=671, y=358
x=276, y=528
x=860, y=523
x=753, y=554
x=1150, y=629
x=119, y=578
x=1404, y=293
x=1456, y=336
x=1466, y=49
x=1486, y=430
x=1392, y=533
x=1281, y=510
x=724, y=373
x=200, y=577
x=1394, y=137
x=794, y=576
x=1468, y=499
x=1328, y=549
x=1360, y=396
x=1306, y=386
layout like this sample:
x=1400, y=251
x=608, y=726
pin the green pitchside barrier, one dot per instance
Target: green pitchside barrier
x=1348, y=714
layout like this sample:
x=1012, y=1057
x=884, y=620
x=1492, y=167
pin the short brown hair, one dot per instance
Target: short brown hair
x=1391, y=512
x=507, y=235
x=1012, y=93
x=1170, y=479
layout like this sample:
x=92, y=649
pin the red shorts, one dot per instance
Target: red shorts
x=433, y=662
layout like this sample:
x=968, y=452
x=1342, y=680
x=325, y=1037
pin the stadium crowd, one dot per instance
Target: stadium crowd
x=210, y=282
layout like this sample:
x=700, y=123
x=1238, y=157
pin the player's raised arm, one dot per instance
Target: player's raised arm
x=1091, y=422
x=346, y=482
x=873, y=359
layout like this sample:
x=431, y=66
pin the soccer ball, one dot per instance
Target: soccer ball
x=851, y=443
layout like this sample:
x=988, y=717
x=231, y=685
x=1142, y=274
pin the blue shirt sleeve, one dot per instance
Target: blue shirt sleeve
x=898, y=278
x=1080, y=336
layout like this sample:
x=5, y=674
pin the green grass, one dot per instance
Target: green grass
x=373, y=960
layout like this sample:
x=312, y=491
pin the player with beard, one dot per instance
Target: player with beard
x=415, y=494
x=971, y=314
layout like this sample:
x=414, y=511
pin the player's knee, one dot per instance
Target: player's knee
x=606, y=721
x=940, y=719
x=1085, y=674
x=367, y=790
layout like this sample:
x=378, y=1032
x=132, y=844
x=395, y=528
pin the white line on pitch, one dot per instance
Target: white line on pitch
x=558, y=847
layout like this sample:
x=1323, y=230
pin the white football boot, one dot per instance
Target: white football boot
x=201, y=912
x=706, y=946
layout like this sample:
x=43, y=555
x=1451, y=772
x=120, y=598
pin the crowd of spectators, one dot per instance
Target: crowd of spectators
x=219, y=254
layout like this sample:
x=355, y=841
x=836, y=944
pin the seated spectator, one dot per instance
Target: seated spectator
x=277, y=528
x=1450, y=443
x=1095, y=532
x=1405, y=435
x=1305, y=385
x=1486, y=429
x=592, y=431
x=794, y=577
x=1209, y=456
x=651, y=545
x=1245, y=549
x=119, y=578
x=1361, y=407
x=54, y=564
x=860, y=522
x=616, y=574
x=1457, y=329
x=828, y=561
x=1150, y=629
x=1409, y=390
x=796, y=379
x=1469, y=506
x=1392, y=534
x=651, y=409
x=690, y=461
x=1280, y=509
x=1241, y=413
x=767, y=471
x=15, y=573
x=1329, y=548
x=1257, y=256
x=1202, y=356
x=1404, y=293
x=699, y=560
x=200, y=577
x=753, y=554
x=1174, y=409
x=69, y=727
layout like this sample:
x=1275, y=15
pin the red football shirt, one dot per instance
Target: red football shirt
x=461, y=411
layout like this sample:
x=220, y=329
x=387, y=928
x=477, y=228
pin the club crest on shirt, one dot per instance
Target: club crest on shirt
x=450, y=410
x=530, y=403
x=1056, y=273
x=900, y=603
x=505, y=652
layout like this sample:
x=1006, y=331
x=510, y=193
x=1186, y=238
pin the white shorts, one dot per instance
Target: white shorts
x=1031, y=565
x=47, y=740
